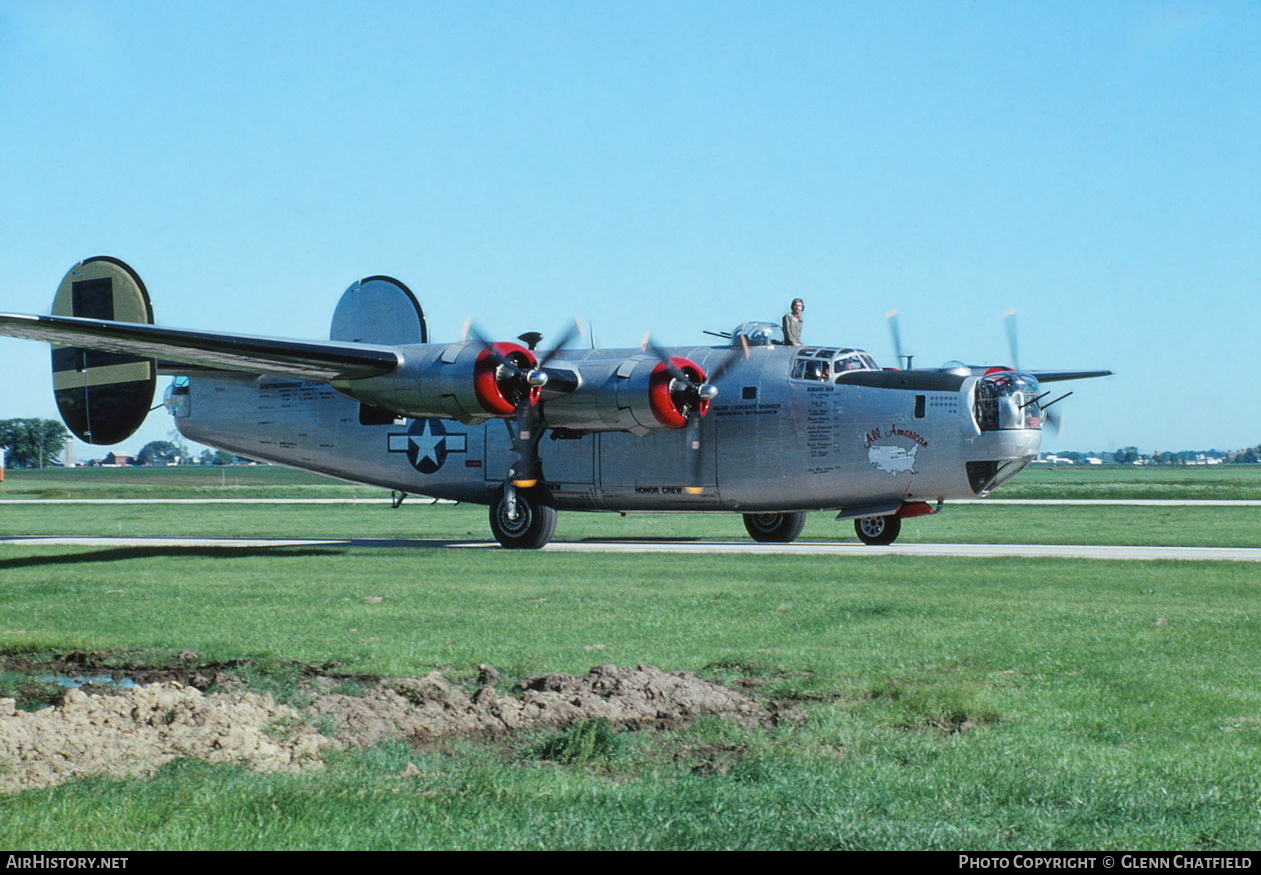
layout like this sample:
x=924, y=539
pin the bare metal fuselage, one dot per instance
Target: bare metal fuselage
x=752, y=427
x=771, y=442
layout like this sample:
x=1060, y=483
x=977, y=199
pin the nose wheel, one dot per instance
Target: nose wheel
x=878, y=530
x=521, y=519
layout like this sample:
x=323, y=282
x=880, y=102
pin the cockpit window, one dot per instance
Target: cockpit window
x=812, y=369
x=853, y=360
x=825, y=365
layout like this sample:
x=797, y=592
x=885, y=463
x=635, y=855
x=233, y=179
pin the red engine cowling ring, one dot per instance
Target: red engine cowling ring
x=659, y=398
x=489, y=394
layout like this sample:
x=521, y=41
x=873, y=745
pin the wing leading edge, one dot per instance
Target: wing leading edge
x=320, y=361
x=1054, y=376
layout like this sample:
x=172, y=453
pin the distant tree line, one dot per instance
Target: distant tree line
x=1252, y=454
x=177, y=453
x=1131, y=455
x=39, y=443
x=220, y=457
x=32, y=443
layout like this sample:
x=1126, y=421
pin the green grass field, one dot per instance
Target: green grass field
x=1218, y=527
x=1128, y=481
x=1076, y=481
x=189, y=481
x=944, y=703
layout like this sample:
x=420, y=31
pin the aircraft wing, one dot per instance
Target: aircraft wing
x=1053, y=376
x=321, y=361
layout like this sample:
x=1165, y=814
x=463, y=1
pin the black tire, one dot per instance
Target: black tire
x=533, y=526
x=878, y=530
x=774, y=528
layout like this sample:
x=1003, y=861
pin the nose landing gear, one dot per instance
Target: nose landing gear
x=878, y=530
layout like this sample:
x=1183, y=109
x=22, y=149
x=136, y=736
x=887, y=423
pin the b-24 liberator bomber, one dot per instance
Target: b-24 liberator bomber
x=753, y=427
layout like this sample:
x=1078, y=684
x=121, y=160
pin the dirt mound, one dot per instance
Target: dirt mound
x=133, y=732
x=432, y=707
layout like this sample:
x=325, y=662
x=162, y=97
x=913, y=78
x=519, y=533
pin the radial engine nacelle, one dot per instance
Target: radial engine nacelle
x=471, y=382
x=468, y=382
x=638, y=394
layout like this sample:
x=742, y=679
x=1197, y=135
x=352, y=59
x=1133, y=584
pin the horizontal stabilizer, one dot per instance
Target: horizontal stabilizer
x=321, y=361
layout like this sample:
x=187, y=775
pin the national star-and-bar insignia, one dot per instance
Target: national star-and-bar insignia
x=427, y=444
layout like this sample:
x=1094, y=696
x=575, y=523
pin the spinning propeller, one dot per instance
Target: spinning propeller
x=689, y=391
x=1052, y=418
x=519, y=376
x=896, y=331
x=1049, y=417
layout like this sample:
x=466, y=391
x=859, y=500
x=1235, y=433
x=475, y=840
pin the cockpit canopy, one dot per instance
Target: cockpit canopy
x=825, y=365
x=810, y=362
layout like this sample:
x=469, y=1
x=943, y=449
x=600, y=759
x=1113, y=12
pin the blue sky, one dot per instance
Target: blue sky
x=666, y=166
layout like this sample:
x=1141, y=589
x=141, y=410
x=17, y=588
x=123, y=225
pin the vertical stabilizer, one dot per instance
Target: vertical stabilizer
x=381, y=310
x=102, y=396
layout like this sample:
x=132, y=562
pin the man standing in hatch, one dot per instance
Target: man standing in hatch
x=792, y=323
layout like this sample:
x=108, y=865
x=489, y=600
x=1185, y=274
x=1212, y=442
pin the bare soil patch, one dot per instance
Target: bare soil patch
x=126, y=732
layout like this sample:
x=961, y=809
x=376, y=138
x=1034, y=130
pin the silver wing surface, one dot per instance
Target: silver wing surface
x=1054, y=376
x=320, y=361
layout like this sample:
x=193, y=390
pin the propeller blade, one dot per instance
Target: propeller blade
x=527, y=471
x=527, y=423
x=736, y=354
x=471, y=332
x=1053, y=418
x=1010, y=319
x=573, y=331
x=895, y=330
x=661, y=356
x=698, y=394
x=694, y=453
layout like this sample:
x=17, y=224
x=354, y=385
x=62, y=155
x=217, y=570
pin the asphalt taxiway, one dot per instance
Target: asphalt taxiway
x=802, y=548
x=419, y=499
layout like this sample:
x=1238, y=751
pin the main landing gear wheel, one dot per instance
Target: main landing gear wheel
x=526, y=523
x=878, y=529
x=774, y=528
